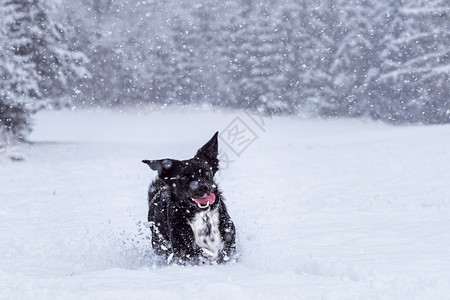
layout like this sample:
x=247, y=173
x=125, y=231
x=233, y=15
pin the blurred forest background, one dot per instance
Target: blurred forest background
x=381, y=59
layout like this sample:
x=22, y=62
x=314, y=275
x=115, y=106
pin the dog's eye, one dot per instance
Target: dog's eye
x=207, y=174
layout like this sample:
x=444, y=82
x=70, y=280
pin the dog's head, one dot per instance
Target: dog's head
x=191, y=180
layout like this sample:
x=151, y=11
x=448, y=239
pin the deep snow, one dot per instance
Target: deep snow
x=324, y=209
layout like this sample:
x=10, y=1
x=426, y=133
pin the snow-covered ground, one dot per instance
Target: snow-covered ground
x=324, y=209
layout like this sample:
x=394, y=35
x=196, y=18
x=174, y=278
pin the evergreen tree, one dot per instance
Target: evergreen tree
x=16, y=90
x=18, y=85
x=416, y=72
x=186, y=71
x=208, y=17
x=352, y=61
x=300, y=51
x=40, y=43
x=258, y=60
x=36, y=62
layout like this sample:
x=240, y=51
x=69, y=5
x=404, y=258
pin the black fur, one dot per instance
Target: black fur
x=171, y=208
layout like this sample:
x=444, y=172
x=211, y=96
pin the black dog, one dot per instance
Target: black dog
x=187, y=214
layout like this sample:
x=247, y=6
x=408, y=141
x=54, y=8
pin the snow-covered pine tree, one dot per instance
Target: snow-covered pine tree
x=185, y=72
x=208, y=16
x=17, y=89
x=195, y=55
x=258, y=58
x=309, y=31
x=323, y=28
x=18, y=85
x=349, y=32
x=389, y=26
x=36, y=62
x=416, y=70
x=233, y=29
x=135, y=49
x=88, y=23
x=39, y=42
x=160, y=70
x=152, y=65
x=299, y=48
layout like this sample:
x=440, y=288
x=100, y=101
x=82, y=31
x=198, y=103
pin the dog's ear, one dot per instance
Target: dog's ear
x=160, y=165
x=210, y=151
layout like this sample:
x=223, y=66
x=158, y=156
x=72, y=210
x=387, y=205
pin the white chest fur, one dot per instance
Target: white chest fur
x=205, y=226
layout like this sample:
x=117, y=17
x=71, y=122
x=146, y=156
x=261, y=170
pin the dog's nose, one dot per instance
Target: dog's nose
x=203, y=189
x=199, y=187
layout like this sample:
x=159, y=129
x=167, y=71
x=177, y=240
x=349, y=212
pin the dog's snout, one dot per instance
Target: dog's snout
x=203, y=189
x=199, y=187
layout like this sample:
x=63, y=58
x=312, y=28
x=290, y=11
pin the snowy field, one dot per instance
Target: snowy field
x=324, y=209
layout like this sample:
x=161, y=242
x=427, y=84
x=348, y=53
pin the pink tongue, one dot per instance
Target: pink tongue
x=205, y=200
